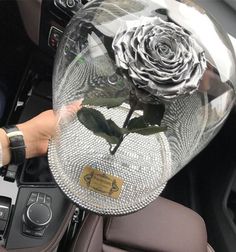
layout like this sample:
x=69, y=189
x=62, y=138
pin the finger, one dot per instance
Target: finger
x=67, y=113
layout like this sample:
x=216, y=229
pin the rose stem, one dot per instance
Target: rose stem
x=131, y=111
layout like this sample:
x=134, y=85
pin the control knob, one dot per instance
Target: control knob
x=37, y=216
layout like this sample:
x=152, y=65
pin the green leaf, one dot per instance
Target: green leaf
x=153, y=114
x=137, y=123
x=150, y=130
x=97, y=123
x=93, y=120
x=115, y=129
x=105, y=102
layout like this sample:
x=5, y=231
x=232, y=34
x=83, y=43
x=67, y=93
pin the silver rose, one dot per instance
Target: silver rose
x=162, y=60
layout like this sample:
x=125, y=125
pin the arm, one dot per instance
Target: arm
x=38, y=131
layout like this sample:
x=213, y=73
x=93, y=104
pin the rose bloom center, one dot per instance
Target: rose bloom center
x=163, y=49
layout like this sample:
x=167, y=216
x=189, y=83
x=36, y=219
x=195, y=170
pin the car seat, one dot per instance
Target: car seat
x=162, y=226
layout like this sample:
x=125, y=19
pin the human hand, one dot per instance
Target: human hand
x=39, y=130
x=37, y=133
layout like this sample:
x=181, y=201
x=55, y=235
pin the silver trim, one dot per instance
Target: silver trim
x=35, y=223
x=5, y=207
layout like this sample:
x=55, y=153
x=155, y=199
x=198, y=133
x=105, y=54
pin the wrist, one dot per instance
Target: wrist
x=16, y=145
x=6, y=154
x=31, y=138
x=25, y=129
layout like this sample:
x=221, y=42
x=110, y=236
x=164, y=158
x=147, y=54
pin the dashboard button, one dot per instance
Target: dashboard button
x=41, y=198
x=70, y=3
x=31, y=232
x=38, y=233
x=4, y=213
x=27, y=230
x=54, y=37
x=48, y=200
x=33, y=198
x=70, y=7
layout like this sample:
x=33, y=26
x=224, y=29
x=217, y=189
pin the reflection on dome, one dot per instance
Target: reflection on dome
x=157, y=85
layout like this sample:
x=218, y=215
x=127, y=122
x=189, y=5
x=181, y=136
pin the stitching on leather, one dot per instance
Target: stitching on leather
x=95, y=227
x=76, y=240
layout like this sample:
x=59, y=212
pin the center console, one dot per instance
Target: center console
x=42, y=213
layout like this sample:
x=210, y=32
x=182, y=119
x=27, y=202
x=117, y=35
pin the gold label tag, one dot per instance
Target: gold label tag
x=101, y=182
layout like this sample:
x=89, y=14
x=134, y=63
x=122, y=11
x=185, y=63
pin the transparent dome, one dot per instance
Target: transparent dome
x=157, y=81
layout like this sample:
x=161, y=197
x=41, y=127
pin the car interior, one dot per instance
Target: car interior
x=195, y=212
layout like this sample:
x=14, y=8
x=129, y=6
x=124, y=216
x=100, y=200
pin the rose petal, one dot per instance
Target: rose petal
x=161, y=58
